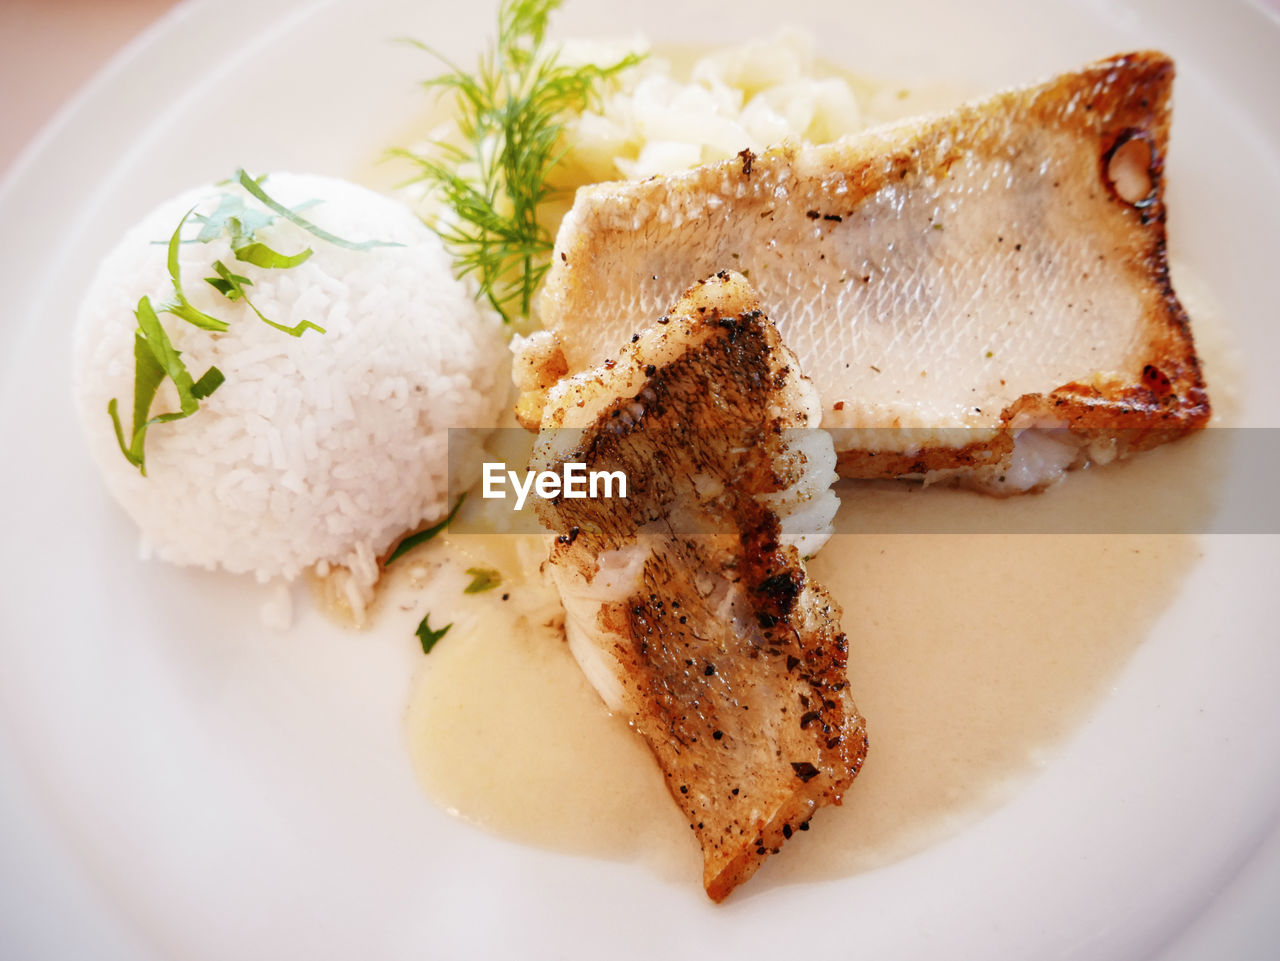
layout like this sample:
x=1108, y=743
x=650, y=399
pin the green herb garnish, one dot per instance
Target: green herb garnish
x=429, y=636
x=181, y=307
x=260, y=255
x=510, y=113
x=233, y=217
x=482, y=579
x=232, y=287
x=413, y=540
x=254, y=187
x=155, y=358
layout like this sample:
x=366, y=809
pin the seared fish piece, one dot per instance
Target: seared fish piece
x=687, y=604
x=945, y=282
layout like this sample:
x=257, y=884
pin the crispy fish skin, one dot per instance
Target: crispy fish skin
x=977, y=270
x=688, y=604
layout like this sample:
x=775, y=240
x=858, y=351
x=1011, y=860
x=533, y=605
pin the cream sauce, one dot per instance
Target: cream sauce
x=971, y=655
x=504, y=729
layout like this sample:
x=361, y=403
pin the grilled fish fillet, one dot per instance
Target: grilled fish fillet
x=945, y=282
x=687, y=604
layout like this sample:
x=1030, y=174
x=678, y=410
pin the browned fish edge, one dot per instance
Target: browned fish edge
x=1128, y=99
x=1169, y=398
x=682, y=696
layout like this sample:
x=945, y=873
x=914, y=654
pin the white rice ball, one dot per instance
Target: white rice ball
x=316, y=450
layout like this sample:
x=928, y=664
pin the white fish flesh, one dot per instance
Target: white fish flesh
x=946, y=282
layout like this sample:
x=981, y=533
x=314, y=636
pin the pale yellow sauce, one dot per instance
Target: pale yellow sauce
x=506, y=732
x=971, y=655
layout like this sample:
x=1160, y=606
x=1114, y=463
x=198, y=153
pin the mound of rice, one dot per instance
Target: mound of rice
x=318, y=450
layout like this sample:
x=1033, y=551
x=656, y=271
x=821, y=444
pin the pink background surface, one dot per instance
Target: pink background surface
x=51, y=48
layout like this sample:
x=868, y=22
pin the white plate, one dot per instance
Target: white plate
x=234, y=793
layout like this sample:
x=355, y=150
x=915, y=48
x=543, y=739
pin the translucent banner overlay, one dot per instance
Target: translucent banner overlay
x=1214, y=481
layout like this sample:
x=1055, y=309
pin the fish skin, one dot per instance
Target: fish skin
x=946, y=282
x=688, y=604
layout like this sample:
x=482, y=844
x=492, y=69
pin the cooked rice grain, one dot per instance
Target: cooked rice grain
x=320, y=449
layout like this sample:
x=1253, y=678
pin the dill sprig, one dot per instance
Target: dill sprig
x=510, y=113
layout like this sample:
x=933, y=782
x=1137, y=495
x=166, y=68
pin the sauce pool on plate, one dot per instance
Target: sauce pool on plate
x=971, y=655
